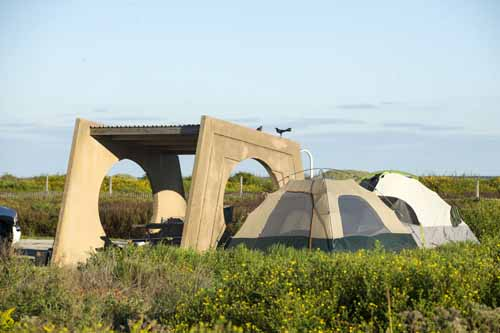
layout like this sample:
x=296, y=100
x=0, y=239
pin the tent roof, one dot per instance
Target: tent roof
x=321, y=209
x=383, y=172
x=430, y=209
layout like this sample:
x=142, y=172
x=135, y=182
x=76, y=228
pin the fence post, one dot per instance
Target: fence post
x=477, y=189
x=241, y=186
x=110, y=185
x=47, y=184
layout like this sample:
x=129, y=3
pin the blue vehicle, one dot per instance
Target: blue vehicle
x=10, y=231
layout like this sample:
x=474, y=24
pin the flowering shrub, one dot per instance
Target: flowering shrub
x=457, y=187
x=164, y=289
x=283, y=289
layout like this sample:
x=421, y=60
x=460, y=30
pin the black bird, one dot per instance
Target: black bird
x=259, y=128
x=281, y=131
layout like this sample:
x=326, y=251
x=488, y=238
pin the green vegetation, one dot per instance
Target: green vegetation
x=251, y=183
x=482, y=216
x=345, y=174
x=123, y=183
x=38, y=216
x=10, y=183
x=131, y=203
x=457, y=187
x=453, y=288
x=164, y=289
x=448, y=186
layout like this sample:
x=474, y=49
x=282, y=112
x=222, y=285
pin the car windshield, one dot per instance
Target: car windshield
x=7, y=220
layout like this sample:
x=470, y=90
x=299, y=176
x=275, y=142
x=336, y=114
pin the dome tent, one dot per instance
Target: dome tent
x=432, y=220
x=326, y=214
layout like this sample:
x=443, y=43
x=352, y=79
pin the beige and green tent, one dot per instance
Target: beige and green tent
x=326, y=214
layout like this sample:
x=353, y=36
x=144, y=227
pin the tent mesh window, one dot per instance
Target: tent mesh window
x=403, y=210
x=359, y=218
x=370, y=183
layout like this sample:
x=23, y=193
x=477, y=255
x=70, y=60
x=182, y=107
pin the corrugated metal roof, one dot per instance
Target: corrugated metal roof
x=146, y=126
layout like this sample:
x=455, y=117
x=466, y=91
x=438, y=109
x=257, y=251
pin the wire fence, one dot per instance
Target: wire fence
x=454, y=190
x=115, y=195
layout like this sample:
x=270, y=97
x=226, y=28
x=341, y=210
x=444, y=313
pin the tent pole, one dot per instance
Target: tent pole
x=312, y=216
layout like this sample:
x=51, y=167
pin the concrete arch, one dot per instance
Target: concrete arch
x=151, y=218
x=79, y=229
x=263, y=164
x=221, y=146
x=269, y=171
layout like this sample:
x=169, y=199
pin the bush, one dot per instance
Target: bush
x=457, y=187
x=451, y=288
x=119, y=216
x=483, y=216
x=123, y=183
x=38, y=216
x=283, y=289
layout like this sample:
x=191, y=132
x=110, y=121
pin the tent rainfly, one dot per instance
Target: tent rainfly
x=326, y=214
x=431, y=219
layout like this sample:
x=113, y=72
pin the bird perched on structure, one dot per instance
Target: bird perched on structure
x=259, y=128
x=281, y=131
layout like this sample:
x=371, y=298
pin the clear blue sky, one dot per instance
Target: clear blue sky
x=364, y=84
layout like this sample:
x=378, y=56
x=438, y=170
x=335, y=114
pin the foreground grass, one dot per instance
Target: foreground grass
x=454, y=287
x=165, y=289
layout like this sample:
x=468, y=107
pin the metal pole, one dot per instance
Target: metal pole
x=110, y=185
x=311, y=162
x=47, y=184
x=241, y=186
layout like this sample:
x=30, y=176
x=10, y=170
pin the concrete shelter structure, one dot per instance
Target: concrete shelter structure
x=218, y=147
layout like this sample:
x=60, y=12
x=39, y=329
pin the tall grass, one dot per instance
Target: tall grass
x=462, y=187
x=451, y=288
x=456, y=286
x=38, y=218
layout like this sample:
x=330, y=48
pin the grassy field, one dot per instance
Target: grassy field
x=448, y=186
x=131, y=203
x=123, y=183
x=454, y=288
x=38, y=216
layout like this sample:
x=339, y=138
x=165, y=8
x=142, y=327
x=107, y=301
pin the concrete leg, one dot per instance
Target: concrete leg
x=164, y=173
x=221, y=146
x=79, y=228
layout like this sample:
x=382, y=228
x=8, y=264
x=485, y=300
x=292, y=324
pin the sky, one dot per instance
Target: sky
x=367, y=85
